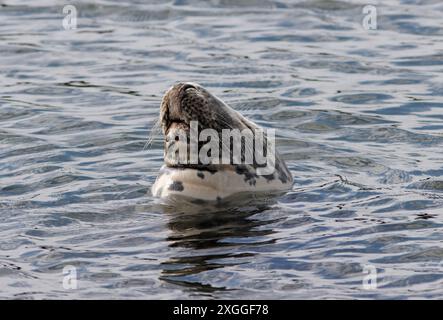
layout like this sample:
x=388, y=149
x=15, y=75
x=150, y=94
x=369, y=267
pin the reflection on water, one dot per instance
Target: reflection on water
x=358, y=117
x=218, y=237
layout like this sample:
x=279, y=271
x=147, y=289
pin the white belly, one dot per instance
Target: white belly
x=204, y=185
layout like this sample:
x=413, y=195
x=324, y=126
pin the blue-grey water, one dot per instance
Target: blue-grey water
x=359, y=120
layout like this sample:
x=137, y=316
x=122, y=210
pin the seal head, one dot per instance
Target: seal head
x=188, y=108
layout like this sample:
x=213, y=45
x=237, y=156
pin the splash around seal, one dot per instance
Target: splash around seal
x=180, y=178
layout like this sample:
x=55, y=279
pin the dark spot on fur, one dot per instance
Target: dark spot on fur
x=200, y=174
x=176, y=186
x=209, y=169
x=281, y=173
x=249, y=176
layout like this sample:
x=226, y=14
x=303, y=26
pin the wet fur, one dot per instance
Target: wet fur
x=187, y=102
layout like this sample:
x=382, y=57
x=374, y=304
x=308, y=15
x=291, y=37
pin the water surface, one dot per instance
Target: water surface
x=359, y=119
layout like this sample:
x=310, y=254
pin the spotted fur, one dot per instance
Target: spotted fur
x=187, y=102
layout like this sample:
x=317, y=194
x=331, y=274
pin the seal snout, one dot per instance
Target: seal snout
x=183, y=89
x=171, y=107
x=182, y=103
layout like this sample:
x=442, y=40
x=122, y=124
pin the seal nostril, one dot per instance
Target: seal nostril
x=187, y=86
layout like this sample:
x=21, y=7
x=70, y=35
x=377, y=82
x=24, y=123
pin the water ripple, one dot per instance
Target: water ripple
x=358, y=120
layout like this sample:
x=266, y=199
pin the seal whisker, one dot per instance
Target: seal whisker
x=155, y=130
